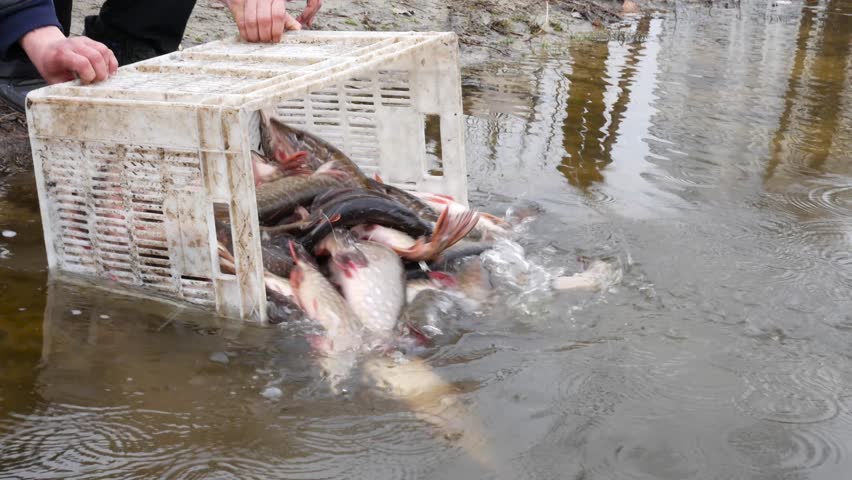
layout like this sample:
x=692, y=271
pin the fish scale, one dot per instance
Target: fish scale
x=375, y=291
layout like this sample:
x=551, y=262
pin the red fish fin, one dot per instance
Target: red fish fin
x=296, y=277
x=378, y=178
x=449, y=229
x=292, y=163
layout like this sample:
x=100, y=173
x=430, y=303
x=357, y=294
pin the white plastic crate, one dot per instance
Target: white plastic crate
x=129, y=170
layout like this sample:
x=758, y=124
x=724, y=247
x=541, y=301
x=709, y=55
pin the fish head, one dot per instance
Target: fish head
x=285, y=140
x=300, y=255
x=345, y=250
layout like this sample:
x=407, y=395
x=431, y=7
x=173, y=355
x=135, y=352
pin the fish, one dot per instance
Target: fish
x=489, y=226
x=429, y=281
x=276, y=260
x=288, y=142
x=264, y=172
x=355, y=210
x=426, y=211
x=429, y=318
x=276, y=286
x=280, y=198
x=342, y=340
x=458, y=252
x=448, y=230
x=371, y=277
x=598, y=276
x=281, y=308
x=433, y=400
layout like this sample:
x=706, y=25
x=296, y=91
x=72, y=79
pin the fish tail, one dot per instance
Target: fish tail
x=449, y=229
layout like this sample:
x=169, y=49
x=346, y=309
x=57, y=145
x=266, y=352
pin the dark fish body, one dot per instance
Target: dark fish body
x=330, y=197
x=450, y=260
x=421, y=208
x=457, y=252
x=430, y=318
x=266, y=136
x=276, y=259
x=362, y=210
x=276, y=200
x=280, y=308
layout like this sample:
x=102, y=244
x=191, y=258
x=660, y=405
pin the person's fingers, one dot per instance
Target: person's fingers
x=264, y=20
x=290, y=23
x=251, y=21
x=279, y=10
x=78, y=64
x=95, y=59
x=310, y=11
x=238, y=11
x=109, y=57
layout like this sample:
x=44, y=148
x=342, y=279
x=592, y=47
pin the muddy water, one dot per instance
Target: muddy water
x=707, y=157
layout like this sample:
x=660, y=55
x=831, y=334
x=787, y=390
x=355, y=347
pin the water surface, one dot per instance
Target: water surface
x=708, y=156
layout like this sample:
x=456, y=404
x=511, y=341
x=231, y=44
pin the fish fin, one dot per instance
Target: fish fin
x=291, y=163
x=378, y=178
x=494, y=219
x=296, y=277
x=261, y=169
x=448, y=197
x=449, y=229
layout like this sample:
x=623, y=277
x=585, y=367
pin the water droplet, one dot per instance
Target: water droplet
x=104, y=316
x=76, y=312
x=22, y=309
x=271, y=393
x=9, y=233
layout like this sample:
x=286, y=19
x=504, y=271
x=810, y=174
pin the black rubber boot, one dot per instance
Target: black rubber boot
x=126, y=50
x=17, y=79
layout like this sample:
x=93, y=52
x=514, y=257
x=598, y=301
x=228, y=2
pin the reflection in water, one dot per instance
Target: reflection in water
x=810, y=128
x=709, y=156
x=583, y=131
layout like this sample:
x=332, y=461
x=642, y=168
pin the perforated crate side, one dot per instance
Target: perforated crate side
x=118, y=205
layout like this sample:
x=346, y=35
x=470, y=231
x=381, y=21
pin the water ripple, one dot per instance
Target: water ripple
x=791, y=393
x=91, y=443
x=204, y=465
x=776, y=448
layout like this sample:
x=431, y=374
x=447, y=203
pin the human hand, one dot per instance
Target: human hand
x=262, y=20
x=59, y=59
x=310, y=11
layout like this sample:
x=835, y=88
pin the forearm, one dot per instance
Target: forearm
x=20, y=17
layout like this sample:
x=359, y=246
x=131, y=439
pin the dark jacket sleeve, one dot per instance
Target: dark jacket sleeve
x=18, y=17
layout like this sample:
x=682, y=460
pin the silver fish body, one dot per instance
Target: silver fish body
x=373, y=284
